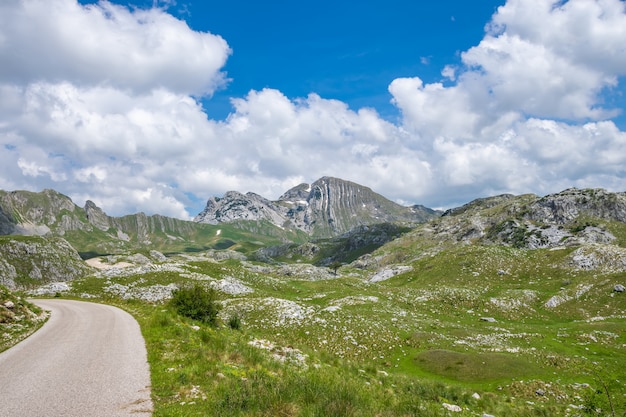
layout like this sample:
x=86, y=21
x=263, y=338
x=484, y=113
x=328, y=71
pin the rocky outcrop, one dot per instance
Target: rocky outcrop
x=96, y=216
x=237, y=206
x=569, y=205
x=32, y=261
x=326, y=208
x=570, y=218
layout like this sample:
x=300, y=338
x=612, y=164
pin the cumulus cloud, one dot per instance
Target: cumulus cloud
x=113, y=116
x=525, y=112
x=109, y=45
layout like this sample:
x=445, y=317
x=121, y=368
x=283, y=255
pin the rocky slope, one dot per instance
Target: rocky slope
x=326, y=208
x=31, y=261
x=18, y=318
x=341, y=249
x=52, y=213
x=569, y=218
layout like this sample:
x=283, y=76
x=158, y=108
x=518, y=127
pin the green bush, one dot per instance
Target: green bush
x=234, y=322
x=196, y=302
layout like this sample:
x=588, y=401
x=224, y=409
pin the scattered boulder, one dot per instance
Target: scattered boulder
x=232, y=286
x=138, y=258
x=387, y=273
x=157, y=256
x=619, y=288
x=51, y=289
x=488, y=319
x=452, y=407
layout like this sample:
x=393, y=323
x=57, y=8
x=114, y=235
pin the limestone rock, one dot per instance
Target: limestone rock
x=387, y=273
x=96, y=216
x=326, y=208
x=40, y=259
x=452, y=407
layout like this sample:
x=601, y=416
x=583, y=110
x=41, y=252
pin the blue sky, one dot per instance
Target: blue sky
x=155, y=106
x=343, y=50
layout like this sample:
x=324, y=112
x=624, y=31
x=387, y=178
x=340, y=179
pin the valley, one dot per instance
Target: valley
x=507, y=306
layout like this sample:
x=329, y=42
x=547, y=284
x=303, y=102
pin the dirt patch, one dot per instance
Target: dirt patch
x=97, y=263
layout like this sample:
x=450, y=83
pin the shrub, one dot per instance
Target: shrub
x=196, y=302
x=234, y=322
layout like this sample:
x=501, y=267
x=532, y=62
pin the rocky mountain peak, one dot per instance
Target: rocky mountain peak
x=96, y=216
x=298, y=193
x=328, y=207
x=237, y=206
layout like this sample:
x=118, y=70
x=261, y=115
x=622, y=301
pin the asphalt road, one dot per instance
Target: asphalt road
x=88, y=360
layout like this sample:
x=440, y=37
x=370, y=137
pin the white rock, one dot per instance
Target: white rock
x=452, y=407
x=385, y=274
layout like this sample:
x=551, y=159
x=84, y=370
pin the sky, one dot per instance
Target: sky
x=154, y=106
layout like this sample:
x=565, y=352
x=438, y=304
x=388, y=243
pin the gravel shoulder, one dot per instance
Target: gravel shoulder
x=87, y=360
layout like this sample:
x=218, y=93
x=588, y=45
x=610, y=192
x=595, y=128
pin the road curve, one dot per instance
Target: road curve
x=88, y=360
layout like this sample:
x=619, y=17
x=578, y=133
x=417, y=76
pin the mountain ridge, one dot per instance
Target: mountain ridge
x=325, y=208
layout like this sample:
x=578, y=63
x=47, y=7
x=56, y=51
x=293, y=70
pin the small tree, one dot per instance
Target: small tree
x=196, y=302
x=335, y=266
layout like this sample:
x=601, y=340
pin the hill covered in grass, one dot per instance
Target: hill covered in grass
x=507, y=306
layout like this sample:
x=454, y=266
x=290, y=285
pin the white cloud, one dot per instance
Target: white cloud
x=493, y=130
x=107, y=44
x=433, y=110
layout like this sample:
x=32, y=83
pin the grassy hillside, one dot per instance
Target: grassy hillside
x=509, y=306
x=192, y=237
x=522, y=329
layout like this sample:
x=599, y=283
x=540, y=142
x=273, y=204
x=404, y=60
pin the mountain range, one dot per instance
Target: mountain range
x=328, y=221
x=326, y=208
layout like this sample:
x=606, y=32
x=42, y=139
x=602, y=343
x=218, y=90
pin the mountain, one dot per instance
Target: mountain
x=329, y=207
x=592, y=222
x=92, y=232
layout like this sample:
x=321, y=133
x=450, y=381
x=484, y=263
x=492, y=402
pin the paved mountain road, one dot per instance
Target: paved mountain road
x=88, y=360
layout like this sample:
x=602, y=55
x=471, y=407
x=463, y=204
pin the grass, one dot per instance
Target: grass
x=18, y=318
x=476, y=367
x=400, y=347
